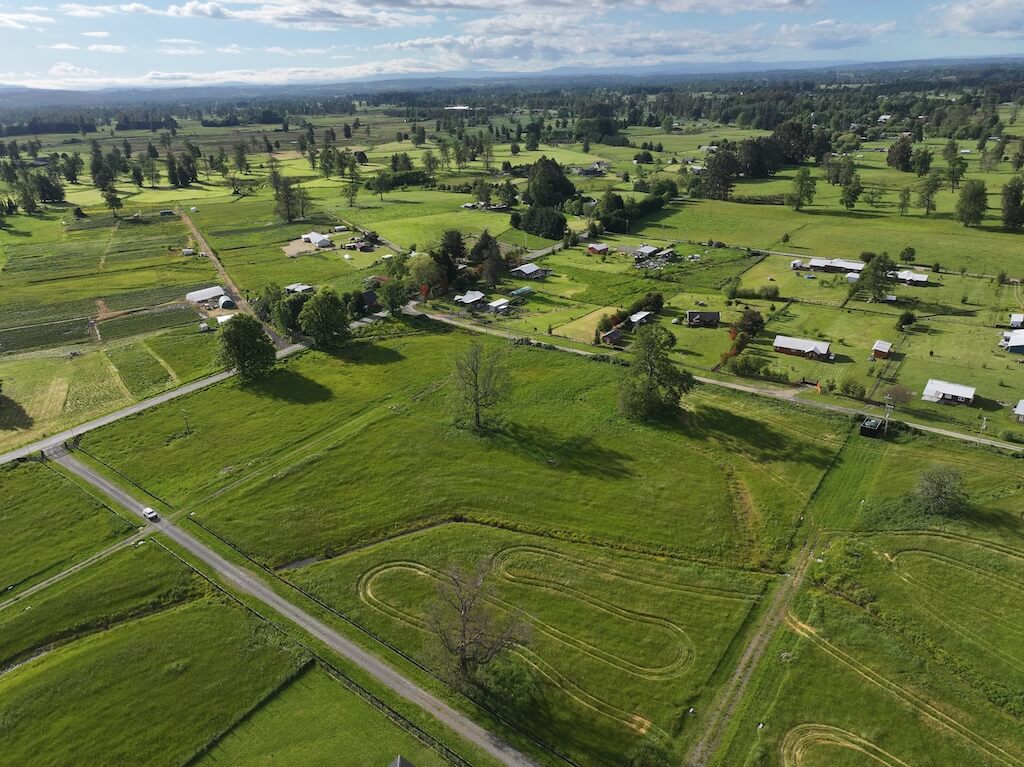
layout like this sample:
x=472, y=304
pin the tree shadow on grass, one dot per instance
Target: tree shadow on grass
x=290, y=386
x=753, y=437
x=575, y=453
x=13, y=416
x=366, y=353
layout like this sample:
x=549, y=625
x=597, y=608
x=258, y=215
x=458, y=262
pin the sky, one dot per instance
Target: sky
x=150, y=43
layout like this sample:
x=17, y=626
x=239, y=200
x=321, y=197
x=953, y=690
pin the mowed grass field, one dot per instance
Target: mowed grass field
x=319, y=442
x=48, y=522
x=621, y=644
x=316, y=722
x=47, y=391
x=905, y=645
x=147, y=667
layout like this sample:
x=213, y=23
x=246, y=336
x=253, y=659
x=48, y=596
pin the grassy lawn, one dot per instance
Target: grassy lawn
x=131, y=583
x=345, y=729
x=47, y=522
x=360, y=419
x=628, y=643
x=150, y=691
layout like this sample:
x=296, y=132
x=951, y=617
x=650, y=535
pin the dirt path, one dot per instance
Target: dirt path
x=229, y=285
x=724, y=705
x=110, y=244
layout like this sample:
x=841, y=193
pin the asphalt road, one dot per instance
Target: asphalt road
x=244, y=580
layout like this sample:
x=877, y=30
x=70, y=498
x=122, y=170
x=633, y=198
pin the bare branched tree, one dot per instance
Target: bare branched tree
x=472, y=632
x=480, y=380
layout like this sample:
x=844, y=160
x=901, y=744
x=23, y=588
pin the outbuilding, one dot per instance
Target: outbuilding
x=188, y=252
x=640, y=318
x=206, y=294
x=530, y=271
x=835, y=265
x=1019, y=411
x=1013, y=341
x=1016, y=321
x=881, y=350
x=947, y=393
x=224, y=318
x=317, y=239
x=802, y=347
x=226, y=302
x=699, y=319
x=299, y=287
x=611, y=337
x=597, y=249
x=644, y=252
x=907, y=277
x=499, y=306
x=472, y=299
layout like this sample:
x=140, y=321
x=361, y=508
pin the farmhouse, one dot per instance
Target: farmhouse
x=802, y=347
x=472, y=299
x=834, y=265
x=640, y=318
x=298, y=287
x=530, y=271
x=499, y=306
x=1017, y=321
x=698, y=319
x=1019, y=411
x=597, y=249
x=1013, y=341
x=881, y=350
x=206, y=294
x=910, y=278
x=947, y=393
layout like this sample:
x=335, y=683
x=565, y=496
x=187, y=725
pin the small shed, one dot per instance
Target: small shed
x=1016, y=321
x=224, y=318
x=1019, y=411
x=499, y=306
x=298, y=287
x=340, y=228
x=796, y=263
x=871, y=427
x=881, y=350
x=188, y=252
x=166, y=213
x=611, y=337
x=597, y=249
x=226, y=302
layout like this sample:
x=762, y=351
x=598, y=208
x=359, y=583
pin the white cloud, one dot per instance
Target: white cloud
x=65, y=70
x=98, y=48
x=234, y=48
x=59, y=47
x=36, y=8
x=830, y=34
x=277, y=50
x=177, y=41
x=188, y=50
x=979, y=18
x=96, y=34
x=22, y=20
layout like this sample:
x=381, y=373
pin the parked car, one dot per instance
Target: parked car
x=150, y=514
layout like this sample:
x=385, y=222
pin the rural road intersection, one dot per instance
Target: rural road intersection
x=244, y=580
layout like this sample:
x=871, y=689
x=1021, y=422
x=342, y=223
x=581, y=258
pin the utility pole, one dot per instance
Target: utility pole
x=889, y=407
x=188, y=429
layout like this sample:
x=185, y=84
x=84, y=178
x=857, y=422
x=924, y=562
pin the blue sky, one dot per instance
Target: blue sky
x=189, y=42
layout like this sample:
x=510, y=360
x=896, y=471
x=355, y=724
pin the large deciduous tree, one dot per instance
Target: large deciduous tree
x=480, y=380
x=654, y=385
x=245, y=347
x=972, y=204
x=1013, y=203
x=324, y=317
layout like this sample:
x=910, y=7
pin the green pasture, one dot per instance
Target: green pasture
x=48, y=522
x=150, y=691
x=260, y=453
x=134, y=582
x=316, y=722
x=629, y=643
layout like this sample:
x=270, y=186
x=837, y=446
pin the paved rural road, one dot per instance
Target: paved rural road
x=246, y=581
x=69, y=434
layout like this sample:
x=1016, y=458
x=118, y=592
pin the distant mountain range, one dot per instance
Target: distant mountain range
x=14, y=96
